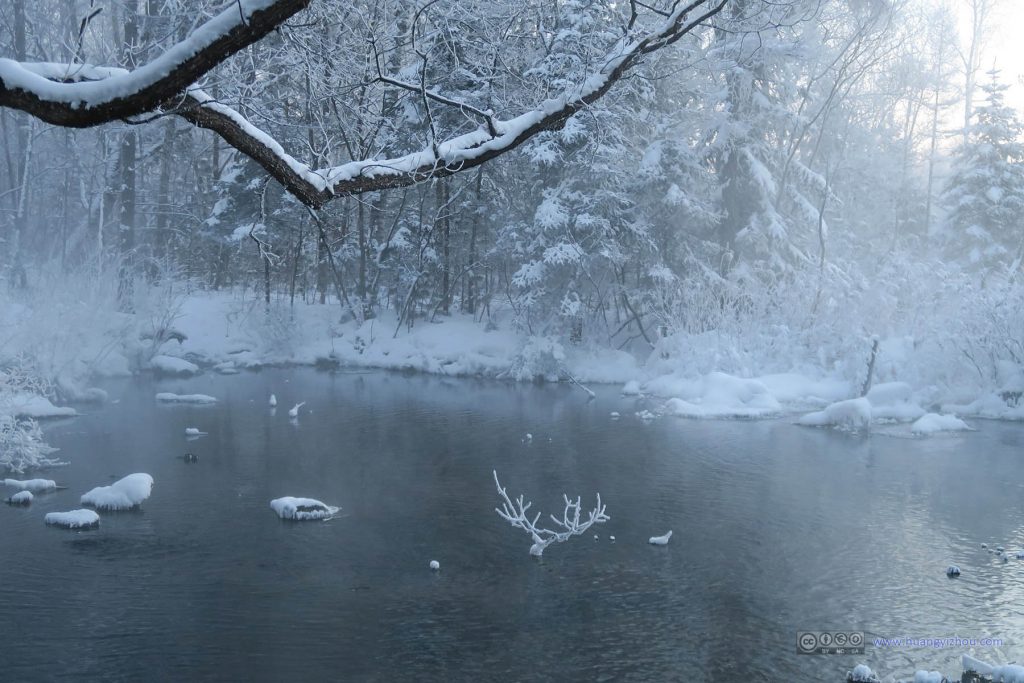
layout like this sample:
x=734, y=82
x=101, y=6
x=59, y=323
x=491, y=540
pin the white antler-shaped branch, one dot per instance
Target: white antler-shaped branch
x=567, y=527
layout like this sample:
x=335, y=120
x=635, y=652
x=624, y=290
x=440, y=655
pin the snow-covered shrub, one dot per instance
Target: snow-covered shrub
x=22, y=446
x=540, y=358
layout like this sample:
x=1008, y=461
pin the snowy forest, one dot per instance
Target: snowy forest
x=583, y=191
x=799, y=213
x=771, y=190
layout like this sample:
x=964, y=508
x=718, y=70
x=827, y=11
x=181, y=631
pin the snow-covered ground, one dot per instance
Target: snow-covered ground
x=691, y=376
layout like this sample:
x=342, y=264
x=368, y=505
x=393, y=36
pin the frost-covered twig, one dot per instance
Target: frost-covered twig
x=515, y=513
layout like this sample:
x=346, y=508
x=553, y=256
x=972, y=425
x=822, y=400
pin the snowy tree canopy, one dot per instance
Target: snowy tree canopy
x=82, y=95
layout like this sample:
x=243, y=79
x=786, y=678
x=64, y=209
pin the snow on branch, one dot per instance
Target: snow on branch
x=73, y=95
x=515, y=513
x=80, y=95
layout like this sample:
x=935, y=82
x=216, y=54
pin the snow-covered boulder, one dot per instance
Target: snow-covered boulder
x=75, y=519
x=932, y=423
x=33, y=485
x=123, y=494
x=171, y=365
x=862, y=673
x=302, y=508
x=20, y=498
x=720, y=395
x=1008, y=673
x=199, y=399
x=854, y=413
x=923, y=676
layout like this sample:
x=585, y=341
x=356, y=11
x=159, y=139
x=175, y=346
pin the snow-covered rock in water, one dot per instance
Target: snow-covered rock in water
x=660, y=540
x=33, y=485
x=200, y=399
x=893, y=401
x=20, y=498
x=952, y=570
x=75, y=519
x=969, y=663
x=862, y=673
x=923, y=676
x=123, y=494
x=32, y=405
x=171, y=365
x=435, y=565
x=646, y=416
x=615, y=415
x=932, y=422
x=302, y=508
x=631, y=388
x=194, y=431
x=854, y=413
x=1008, y=673
x=720, y=395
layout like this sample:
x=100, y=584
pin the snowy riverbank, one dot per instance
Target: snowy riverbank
x=694, y=376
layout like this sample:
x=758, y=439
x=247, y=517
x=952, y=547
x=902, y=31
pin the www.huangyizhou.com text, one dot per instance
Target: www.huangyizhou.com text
x=937, y=643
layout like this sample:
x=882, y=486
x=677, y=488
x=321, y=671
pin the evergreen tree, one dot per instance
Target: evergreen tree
x=985, y=195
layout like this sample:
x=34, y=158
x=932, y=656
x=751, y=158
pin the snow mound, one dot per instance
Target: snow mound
x=201, y=399
x=862, y=673
x=75, y=519
x=32, y=405
x=854, y=413
x=720, y=395
x=124, y=494
x=302, y=508
x=893, y=401
x=34, y=485
x=631, y=388
x=660, y=540
x=932, y=423
x=991, y=406
x=1009, y=673
x=171, y=365
x=20, y=498
x=928, y=677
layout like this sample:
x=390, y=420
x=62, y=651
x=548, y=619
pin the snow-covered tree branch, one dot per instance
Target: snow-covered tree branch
x=515, y=513
x=81, y=95
x=78, y=95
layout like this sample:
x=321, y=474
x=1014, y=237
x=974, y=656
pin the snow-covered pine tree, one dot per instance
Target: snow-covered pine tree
x=985, y=194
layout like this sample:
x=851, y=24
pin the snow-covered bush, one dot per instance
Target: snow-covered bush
x=22, y=446
x=540, y=358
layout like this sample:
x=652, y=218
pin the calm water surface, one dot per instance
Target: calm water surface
x=777, y=528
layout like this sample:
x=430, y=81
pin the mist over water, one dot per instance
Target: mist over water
x=777, y=528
